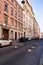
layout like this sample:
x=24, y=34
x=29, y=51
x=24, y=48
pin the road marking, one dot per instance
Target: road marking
x=29, y=50
x=33, y=47
x=16, y=46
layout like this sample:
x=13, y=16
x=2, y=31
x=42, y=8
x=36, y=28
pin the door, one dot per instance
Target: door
x=12, y=35
x=15, y=35
x=24, y=34
x=5, y=33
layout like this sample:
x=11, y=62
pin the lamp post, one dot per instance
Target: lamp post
x=23, y=1
x=4, y=24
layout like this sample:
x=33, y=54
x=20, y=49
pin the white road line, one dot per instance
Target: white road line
x=29, y=50
x=33, y=47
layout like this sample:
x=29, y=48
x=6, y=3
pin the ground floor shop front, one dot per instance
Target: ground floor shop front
x=10, y=33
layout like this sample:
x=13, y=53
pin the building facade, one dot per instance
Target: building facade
x=36, y=29
x=17, y=21
x=41, y=35
x=11, y=19
x=28, y=20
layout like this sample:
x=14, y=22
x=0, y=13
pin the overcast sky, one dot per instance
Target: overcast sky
x=37, y=6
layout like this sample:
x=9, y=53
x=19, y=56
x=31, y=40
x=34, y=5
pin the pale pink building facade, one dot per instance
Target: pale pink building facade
x=11, y=19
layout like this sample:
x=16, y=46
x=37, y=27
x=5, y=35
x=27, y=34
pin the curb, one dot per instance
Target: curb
x=41, y=59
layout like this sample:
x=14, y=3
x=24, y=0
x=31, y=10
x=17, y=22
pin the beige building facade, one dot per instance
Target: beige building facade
x=41, y=34
x=28, y=20
x=11, y=19
x=36, y=29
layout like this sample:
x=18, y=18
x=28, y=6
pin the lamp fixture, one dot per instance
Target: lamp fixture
x=23, y=1
x=4, y=24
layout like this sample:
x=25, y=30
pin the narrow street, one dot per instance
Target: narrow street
x=21, y=32
x=26, y=55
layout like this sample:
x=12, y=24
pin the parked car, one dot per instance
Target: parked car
x=23, y=39
x=5, y=42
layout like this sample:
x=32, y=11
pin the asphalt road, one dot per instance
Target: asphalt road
x=26, y=55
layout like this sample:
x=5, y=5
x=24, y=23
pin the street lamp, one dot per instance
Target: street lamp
x=4, y=24
x=23, y=1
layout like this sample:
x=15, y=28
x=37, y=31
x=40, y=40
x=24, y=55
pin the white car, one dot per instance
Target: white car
x=5, y=42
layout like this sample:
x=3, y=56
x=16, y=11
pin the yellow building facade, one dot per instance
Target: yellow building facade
x=36, y=29
x=41, y=34
x=28, y=20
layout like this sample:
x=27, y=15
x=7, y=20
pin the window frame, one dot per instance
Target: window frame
x=6, y=19
x=6, y=7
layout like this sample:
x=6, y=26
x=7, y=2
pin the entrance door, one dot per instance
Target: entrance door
x=12, y=35
x=6, y=33
x=24, y=34
x=15, y=35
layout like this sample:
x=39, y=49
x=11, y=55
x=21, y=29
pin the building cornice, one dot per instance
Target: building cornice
x=30, y=6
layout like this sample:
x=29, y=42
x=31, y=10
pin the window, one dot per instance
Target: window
x=21, y=11
x=21, y=26
x=12, y=1
x=15, y=4
x=12, y=11
x=5, y=19
x=21, y=18
x=18, y=8
x=6, y=7
x=19, y=35
x=18, y=25
x=15, y=14
x=18, y=16
x=12, y=22
x=15, y=24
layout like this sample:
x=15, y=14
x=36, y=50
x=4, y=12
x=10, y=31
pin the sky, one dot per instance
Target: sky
x=37, y=6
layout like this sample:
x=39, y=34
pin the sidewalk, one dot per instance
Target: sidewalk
x=41, y=60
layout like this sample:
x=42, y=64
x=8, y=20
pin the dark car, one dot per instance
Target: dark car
x=23, y=39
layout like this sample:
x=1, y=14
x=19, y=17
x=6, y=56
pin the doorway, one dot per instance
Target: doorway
x=24, y=34
x=12, y=35
x=6, y=33
x=15, y=35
